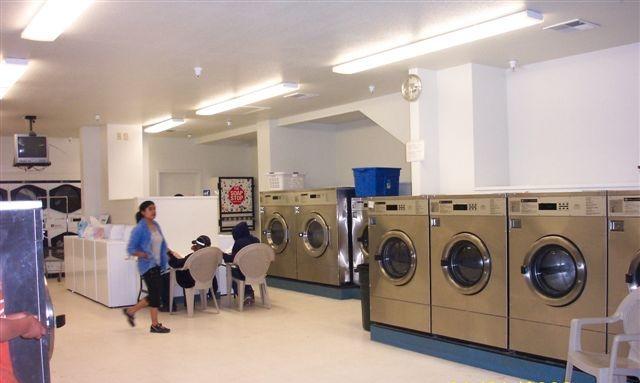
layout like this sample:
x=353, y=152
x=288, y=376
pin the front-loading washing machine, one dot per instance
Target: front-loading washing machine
x=359, y=234
x=278, y=224
x=29, y=192
x=469, y=268
x=624, y=251
x=557, y=270
x=399, y=267
x=324, y=225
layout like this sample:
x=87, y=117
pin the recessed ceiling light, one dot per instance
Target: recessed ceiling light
x=53, y=18
x=249, y=98
x=10, y=72
x=164, y=125
x=447, y=40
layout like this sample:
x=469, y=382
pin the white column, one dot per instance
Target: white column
x=92, y=169
x=423, y=126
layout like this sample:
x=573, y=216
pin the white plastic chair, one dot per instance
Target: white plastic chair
x=607, y=367
x=254, y=261
x=202, y=266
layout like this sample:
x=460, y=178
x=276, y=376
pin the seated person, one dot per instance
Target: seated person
x=242, y=238
x=183, y=277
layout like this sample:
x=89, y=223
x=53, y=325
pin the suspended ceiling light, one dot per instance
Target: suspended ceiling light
x=164, y=125
x=53, y=18
x=10, y=72
x=249, y=98
x=437, y=43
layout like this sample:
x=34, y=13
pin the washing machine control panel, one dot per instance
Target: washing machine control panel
x=320, y=197
x=569, y=205
x=468, y=206
x=399, y=207
x=276, y=199
x=624, y=205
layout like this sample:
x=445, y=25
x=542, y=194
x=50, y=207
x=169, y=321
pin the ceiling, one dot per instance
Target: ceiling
x=132, y=62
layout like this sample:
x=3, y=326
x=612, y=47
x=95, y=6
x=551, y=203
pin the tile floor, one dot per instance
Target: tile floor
x=303, y=338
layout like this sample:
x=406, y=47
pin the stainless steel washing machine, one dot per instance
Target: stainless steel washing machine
x=557, y=270
x=624, y=250
x=399, y=270
x=323, y=226
x=278, y=224
x=359, y=234
x=469, y=268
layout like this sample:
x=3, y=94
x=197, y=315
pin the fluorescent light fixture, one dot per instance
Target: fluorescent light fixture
x=447, y=40
x=164, y=125
x=249, y=98
x=53, y=18
x=10, y=72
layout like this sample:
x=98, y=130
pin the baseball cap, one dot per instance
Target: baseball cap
x=202, y=240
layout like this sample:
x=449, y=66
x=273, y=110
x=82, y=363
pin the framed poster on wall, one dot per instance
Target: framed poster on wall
x=236, y=196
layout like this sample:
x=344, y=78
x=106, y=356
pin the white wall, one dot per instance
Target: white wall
x=210, y=160
x=575, y=120
x=305, y=148
x=363, y=144
x=64, y=154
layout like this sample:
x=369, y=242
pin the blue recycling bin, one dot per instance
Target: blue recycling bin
x=374, y=181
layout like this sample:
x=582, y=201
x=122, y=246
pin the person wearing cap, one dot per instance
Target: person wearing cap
x=183, y=277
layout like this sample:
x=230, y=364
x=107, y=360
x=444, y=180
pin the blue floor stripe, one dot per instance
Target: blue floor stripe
x=497, y=361
x=349, y=292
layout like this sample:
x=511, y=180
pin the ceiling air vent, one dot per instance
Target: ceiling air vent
x=301, y=96
x=572, y=26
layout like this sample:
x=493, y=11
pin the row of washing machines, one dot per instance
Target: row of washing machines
x=506, y=271
x=61, y=205
x=309, y=230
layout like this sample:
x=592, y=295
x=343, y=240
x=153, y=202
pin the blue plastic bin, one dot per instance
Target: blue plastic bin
x=372, y=182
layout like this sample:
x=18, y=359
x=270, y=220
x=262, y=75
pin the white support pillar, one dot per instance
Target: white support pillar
x=423, y=123
x=92, y=169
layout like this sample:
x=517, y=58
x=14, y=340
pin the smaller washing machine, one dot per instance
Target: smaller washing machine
x=624, y=251
x=359, y=234
x=278, y=224
x=399, y=262
x=469, y=268
x=557, y=270
x=323, y=220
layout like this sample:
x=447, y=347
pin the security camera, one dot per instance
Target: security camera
x=513, y=64
x=372, y=88
x=198, y=71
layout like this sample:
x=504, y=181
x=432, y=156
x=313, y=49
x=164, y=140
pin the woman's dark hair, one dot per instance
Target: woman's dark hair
x=143, y=206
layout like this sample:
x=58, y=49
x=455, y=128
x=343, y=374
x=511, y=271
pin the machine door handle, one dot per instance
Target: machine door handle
x=524, y=269
x=444, y=262
x=265, y=232
x=302, y=235
x=378, y=257
x=628, y=278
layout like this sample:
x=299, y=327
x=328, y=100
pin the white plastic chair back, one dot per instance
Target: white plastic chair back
x=629, y=311
x=203, y=265
x=254, y=260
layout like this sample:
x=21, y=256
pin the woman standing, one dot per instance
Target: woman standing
x=148, y=244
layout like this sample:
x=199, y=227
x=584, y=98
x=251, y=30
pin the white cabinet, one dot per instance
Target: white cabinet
x=117, y=276
x=101, y=270
x=89, y=269
x=69, y=269
x=78, y=264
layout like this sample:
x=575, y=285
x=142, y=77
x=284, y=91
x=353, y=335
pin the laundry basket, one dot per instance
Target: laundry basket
x=285, y=181
x=371, y=182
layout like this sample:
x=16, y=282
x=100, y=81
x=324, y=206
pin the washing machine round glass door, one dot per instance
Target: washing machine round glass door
x=315, y=236
x=632, y=278
x=466, y=263
x=555, y=270
x=397, y=257
x=65, y=198
x=29, y=193
x=4, y=196
x=277, y=233
x=363, y=241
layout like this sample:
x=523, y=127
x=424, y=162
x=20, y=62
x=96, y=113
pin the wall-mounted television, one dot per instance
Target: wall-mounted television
x=31, y=150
